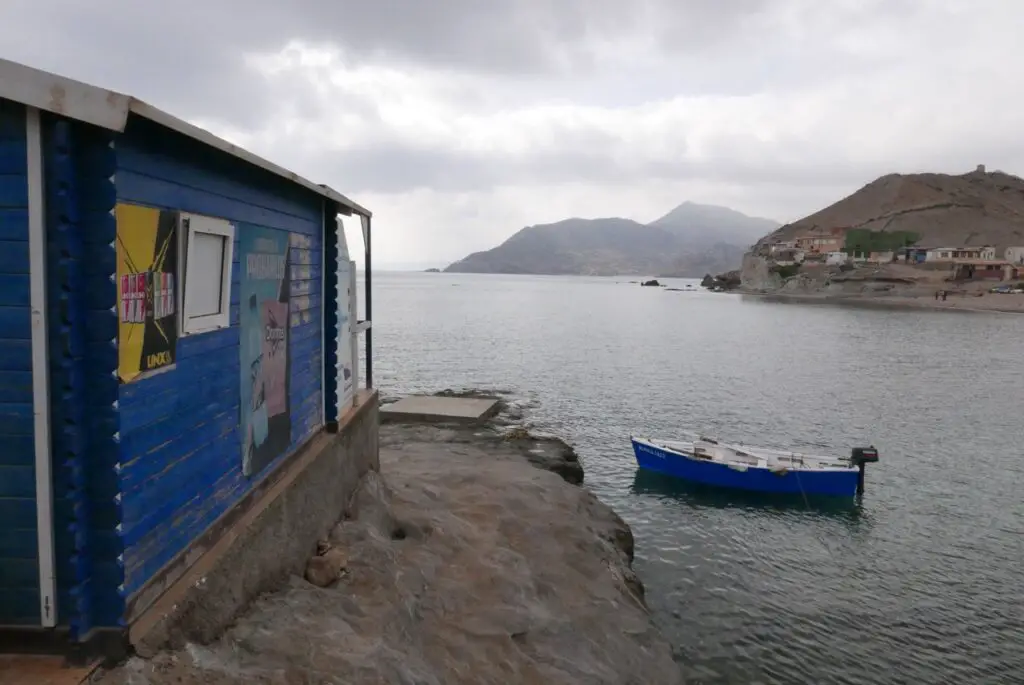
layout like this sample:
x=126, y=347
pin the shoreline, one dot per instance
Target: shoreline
x=989, y=303
x=472, y=556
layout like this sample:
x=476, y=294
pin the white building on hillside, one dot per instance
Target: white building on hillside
x=1014, y=255
x=836, y=258
x=948, y=254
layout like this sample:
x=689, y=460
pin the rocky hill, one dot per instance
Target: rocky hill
x=931, y=210
x=978, y=208
x=690, y=241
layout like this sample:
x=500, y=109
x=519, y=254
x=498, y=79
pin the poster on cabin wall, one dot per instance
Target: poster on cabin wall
x=346, y=389
x=147, y=303
x=264, y=295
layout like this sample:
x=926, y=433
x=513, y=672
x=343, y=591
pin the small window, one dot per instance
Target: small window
x=206, y=273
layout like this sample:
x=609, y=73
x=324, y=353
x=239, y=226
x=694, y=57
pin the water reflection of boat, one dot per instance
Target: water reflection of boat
x=652, y=483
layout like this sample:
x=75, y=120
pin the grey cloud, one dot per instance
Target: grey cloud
x=392, y=168
x=174, y=60
x=189, y=57
x=397, y=168
x=189, y=53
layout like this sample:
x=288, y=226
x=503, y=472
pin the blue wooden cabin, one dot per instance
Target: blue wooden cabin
x=169, y=310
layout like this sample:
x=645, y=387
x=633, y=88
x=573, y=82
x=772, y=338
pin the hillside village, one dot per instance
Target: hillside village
x=914, y=234
x=853, y=247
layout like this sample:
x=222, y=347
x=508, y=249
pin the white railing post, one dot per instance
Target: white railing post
x=40, y=368
x=353, y=317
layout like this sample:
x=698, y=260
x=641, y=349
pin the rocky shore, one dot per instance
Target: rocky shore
x=472, y=557
x=725, y=282
x=877, y=286
x=999, y=303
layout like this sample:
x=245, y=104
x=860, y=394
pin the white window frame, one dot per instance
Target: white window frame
x=188, y=224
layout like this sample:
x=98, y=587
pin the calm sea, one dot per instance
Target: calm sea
x=922, y=583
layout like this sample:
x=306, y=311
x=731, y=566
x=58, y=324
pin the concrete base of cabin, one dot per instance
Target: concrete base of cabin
x=255, y=550
x=464, y=564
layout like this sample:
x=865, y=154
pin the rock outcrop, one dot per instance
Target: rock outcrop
x=463, y=565
x=327, y=566
x=756, y=274
x=548, y=453
x=730, y=280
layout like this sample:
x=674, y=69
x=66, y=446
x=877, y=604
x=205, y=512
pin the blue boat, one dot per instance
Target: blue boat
x=712, y=462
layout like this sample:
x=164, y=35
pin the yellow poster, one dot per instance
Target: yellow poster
x=147, y=268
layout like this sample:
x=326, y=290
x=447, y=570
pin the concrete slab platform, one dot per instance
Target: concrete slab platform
x=432, y=409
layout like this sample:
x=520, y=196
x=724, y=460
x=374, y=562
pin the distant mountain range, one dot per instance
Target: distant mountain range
x=688, y=242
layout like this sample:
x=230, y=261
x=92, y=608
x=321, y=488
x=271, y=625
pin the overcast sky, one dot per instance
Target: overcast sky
x=459, y=122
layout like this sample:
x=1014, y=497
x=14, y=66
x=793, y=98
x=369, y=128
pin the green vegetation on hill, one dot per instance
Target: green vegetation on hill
x=866, y=241
x=786, y=270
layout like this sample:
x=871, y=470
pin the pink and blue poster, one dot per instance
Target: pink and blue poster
x=263, y=344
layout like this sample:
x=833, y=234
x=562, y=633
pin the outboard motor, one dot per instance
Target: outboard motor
x=864, y=455
x=859, y=457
